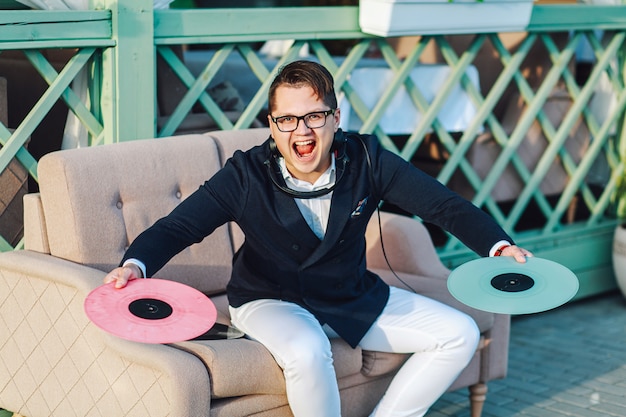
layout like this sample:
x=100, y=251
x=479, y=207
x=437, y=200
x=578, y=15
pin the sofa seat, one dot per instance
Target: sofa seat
x=244, y=367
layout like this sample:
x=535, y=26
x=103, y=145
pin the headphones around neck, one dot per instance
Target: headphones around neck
x=338, y=146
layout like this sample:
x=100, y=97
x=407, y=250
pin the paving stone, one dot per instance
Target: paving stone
x=582, y=401
x=535, y=411
x=604, y=387
x=500, y=411
x=610, y=409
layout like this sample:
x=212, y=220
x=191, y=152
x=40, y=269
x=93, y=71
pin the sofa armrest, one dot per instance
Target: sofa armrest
x=495, y=357
x=54, y=361
x=407, y=244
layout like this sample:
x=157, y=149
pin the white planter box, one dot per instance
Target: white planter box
x=425, y=17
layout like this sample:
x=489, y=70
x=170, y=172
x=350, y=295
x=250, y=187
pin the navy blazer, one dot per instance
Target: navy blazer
x=282, y=258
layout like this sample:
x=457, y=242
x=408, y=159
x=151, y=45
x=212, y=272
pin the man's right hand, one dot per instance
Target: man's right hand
x=121, y=275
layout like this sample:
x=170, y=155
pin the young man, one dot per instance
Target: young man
x=303, y=200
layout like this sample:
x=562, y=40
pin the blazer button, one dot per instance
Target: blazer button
x=295, y=246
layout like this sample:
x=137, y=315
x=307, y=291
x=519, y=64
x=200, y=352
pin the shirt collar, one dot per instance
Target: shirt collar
x=327, y=179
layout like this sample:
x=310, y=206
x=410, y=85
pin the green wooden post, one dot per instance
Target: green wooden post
x=129, y=79
x=620, y=170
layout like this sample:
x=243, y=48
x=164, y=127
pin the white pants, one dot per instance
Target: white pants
x=442, y=340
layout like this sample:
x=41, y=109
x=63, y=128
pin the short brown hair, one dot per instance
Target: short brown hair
x=305, y=73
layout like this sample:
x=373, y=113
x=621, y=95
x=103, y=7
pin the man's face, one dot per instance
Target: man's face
x=306, y=151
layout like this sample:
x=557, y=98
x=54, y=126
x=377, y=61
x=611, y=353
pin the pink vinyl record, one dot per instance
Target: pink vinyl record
x=151, y=311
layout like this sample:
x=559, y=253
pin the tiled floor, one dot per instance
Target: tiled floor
x=570, y=361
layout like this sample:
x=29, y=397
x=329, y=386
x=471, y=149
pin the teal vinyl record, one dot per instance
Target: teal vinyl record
x=503, y=285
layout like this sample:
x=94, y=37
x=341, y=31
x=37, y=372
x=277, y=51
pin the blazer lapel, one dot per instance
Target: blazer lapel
x=341, y=207
x=288, y=214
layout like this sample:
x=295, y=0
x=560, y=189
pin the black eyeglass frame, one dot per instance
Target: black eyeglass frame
x=326, y=113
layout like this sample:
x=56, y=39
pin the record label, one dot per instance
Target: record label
x=503, y=285
x=151, y=311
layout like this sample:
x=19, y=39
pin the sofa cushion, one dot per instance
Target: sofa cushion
x=243, y=367
x=381, y=363
x=96, y=200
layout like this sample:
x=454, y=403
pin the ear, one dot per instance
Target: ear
x=337, y=118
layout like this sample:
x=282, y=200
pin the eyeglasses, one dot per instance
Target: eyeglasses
x=313, y=120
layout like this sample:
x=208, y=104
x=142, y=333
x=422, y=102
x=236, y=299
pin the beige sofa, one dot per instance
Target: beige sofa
x=92, y=203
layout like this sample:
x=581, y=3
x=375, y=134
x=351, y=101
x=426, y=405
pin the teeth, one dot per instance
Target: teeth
x=303, y=143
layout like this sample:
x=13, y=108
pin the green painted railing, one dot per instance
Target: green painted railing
x=120, y=48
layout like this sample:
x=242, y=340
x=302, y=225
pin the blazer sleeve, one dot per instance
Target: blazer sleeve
x=402, y=184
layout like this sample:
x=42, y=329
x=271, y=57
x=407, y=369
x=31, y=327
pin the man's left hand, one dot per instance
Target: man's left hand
x=520, y=254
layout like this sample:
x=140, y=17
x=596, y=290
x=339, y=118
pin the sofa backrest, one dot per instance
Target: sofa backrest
x=96, y=200
x=228, y=141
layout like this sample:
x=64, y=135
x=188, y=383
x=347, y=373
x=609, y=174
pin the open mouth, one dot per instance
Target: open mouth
x=304, y=148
